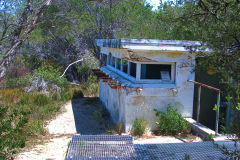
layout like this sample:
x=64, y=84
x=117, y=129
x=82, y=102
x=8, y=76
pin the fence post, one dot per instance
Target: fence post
x=217, y=113
x=198, y=104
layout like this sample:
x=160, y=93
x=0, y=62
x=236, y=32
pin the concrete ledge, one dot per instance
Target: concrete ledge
x=199, y=129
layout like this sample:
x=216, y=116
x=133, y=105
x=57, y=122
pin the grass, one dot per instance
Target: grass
x=22, y=117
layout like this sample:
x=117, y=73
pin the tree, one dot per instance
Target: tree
x=26, y=23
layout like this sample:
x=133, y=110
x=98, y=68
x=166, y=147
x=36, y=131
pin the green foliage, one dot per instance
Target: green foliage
x=35, y=128
x=77, y=93
x=171, y=122
x=22, y=117
x=85, y=68
x=233, y=154
x=40, y=99
x=12, y=122
x=50, y=74
x=216, y=107
x=210, y=137
x=139, y=126
x=90, y=87
x=234, y=103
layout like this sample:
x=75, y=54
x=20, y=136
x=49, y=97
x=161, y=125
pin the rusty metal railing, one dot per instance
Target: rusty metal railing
x=200, y=85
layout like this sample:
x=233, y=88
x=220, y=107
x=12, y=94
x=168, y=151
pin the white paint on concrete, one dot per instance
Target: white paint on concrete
x=141, y=97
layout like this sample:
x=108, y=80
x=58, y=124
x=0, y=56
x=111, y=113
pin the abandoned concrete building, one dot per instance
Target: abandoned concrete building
x=142, y=75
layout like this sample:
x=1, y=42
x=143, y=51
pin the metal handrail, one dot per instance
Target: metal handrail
x=200, y=85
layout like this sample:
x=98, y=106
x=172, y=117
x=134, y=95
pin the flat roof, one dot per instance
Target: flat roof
x=147, y=44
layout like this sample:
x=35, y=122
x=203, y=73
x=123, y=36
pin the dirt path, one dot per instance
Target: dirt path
x=78, y=118
x=61, y=130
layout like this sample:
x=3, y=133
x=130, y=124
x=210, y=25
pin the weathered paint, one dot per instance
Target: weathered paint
x=139, y=99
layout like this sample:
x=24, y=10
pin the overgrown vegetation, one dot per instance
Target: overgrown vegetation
x=90, y=88
x=139, y=126
x=22, y=116
x=27, y=102
x=171, y=122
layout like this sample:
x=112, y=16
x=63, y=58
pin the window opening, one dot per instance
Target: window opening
x=133, y=69
x=125, y=66
x=156, y=71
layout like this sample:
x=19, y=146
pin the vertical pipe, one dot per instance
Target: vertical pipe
x=199, y=101
x=217, y=114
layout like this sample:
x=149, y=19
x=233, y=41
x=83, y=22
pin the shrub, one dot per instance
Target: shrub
x=34, y=128
x=12, y=122
x=85, y=68
x=90, y=87
x=77, y=93
x=40, y=99
x=120, y=127
x=171, y=122
x=66, y=93
x=51, y=75
x=139, y=126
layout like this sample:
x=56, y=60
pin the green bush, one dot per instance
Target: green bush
x=90, y=87
x=171, y=122
x=139, y=126
x=40, y=99
x=24, y=100
x=85, y=68
x=51, y=75
x=12, y=122
x=34, y=128
x=66, y=93
x=77, y=93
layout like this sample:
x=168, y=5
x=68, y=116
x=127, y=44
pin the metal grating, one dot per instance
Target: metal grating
x=100, y=147
x=113, y=147
x=178, y=151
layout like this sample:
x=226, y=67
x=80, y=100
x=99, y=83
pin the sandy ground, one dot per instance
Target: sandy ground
x=61, y=130
x=78, y=118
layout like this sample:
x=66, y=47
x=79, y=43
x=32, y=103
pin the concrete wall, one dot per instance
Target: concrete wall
x=114, y=100
x=126, y=105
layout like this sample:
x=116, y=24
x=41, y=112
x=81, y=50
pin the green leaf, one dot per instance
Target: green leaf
x=228, y=98
x=216, y=107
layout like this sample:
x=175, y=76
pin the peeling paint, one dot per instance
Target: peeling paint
x=140, y=99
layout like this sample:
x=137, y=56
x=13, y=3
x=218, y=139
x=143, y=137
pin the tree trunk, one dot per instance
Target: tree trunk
x=18, y=40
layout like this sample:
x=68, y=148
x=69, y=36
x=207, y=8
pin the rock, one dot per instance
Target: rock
x=38, y=84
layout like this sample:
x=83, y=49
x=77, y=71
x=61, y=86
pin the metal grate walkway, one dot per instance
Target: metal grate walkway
x=101, y=147
x=121, y=148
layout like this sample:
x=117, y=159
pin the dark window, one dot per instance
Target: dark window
x=104, y=59
x=118, y=63
x=156, y=71
x=109, y=59
x=125, y=66
x=113, y=62
x=133, y=69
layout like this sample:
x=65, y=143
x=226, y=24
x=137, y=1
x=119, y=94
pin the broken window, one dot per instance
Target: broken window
x=133, y=69
x=156, y=71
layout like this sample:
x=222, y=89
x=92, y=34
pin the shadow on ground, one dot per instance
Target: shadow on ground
x=89, y=116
